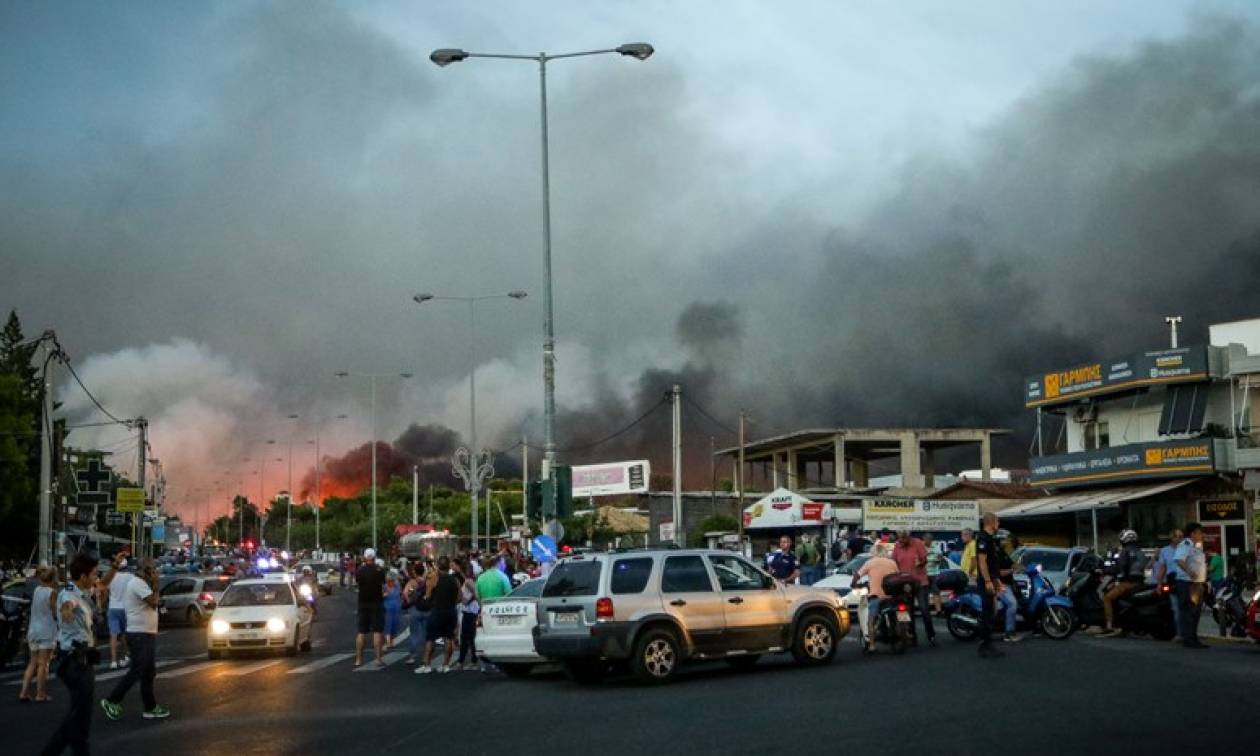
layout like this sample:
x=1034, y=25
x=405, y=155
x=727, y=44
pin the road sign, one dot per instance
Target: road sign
x=159, y=533
x=130, y=500
x=543, y=548
x=93, y=482
x=114, y=518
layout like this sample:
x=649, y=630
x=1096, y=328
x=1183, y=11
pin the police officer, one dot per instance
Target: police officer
x=989, y=566
x=782, y=563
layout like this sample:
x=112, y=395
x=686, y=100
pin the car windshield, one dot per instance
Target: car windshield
x=530, y=589
x=853, y=565
x=1050, y=561
x=258, y=594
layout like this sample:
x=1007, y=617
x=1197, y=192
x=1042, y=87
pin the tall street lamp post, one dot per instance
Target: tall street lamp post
x=319, y=501
x=445, y=57
x=372, y=378
x=472, y=464
x=288, y=514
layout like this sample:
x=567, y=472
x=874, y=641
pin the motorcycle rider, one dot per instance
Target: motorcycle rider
x=1130, y=572
x=875, y=570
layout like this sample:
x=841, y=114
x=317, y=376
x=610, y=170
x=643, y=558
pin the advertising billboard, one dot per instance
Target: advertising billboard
x=920, y=515
x=1183, y=365
x=1154, y=459
x=611, y=479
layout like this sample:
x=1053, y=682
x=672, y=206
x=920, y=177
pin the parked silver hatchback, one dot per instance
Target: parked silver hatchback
x=659, y=608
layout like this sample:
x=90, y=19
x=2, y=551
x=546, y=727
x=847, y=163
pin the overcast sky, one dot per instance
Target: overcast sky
x=873, y=213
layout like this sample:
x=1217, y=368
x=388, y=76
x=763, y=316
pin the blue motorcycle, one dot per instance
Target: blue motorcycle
x=1040, y=607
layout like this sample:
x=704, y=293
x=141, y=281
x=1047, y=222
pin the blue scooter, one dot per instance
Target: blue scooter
x=1040, y=607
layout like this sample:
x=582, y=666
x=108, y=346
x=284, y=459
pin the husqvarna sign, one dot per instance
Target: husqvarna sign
x=919, y=515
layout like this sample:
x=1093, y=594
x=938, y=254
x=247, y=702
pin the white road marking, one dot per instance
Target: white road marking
x=188, y=670
x=319, y=664
x=251, y=668
x=116, y=673
x=370, y=665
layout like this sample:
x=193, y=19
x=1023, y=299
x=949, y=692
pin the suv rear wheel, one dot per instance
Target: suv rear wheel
x=816, y=639
x=656, y=656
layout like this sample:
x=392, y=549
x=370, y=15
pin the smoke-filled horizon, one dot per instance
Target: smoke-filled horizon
x=888, y=225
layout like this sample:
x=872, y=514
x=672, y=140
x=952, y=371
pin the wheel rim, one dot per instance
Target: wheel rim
x=659, y=658
x=1059, y=621
x=817, y=640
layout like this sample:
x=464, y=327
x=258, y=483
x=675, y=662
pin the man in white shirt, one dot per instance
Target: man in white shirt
x=117, y=581
x=140, y=599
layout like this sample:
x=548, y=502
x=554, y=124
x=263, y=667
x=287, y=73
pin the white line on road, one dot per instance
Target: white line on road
x=390, y=658
x=320, y=664
x=188, y=670
x=251, y=668
x=116, y=673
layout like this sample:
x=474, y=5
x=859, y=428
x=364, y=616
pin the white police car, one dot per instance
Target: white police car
x=260, y=614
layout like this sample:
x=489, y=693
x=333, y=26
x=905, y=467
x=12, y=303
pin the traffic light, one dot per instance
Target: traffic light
x=533, y=500
x=564, y=491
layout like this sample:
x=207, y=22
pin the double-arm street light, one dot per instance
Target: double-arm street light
x=372, y=377
x=475, y=468
x=447, y=56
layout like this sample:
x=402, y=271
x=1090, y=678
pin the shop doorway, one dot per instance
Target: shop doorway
x=1224, y=529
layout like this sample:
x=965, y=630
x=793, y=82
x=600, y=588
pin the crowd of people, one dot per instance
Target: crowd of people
x=439, y=598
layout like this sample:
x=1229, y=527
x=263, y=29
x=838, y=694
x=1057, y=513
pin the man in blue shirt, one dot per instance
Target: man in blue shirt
x=1191, y=584
x=782, y=563
x=1165, y=569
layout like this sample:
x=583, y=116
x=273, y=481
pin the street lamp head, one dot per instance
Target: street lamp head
x=422, y=298
x=637, y=50
x=341, y=374
x=405, y=375
x=447, y=56
x=294, y=417
x=343, y=417
x=518, y=294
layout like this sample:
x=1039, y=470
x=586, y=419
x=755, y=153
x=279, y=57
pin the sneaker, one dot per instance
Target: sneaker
x=444, y=669
x=112, y=710
x=424, y=669
x=113, y=665
x=1096, y=630
x=126, y=662
x=1012, y=638
x=157, y=712
x=1109, y=633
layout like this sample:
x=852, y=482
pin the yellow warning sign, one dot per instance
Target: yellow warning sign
x=130, y=500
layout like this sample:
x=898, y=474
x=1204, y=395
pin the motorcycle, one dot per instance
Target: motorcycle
x=894, y=620
x=1229, y=609
x=309, y=594
x=1040, y=607
x=1144, y=611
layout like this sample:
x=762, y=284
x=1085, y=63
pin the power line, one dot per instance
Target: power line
x=65, y=360
x=688, y=400
x=611, y=436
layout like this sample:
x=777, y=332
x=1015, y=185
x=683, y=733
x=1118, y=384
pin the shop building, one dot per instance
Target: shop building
x=1148, y=441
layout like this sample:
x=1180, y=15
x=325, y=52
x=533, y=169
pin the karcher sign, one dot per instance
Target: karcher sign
x=919, y=515
x=1184, y=365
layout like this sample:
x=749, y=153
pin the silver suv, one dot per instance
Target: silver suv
x=657, y=608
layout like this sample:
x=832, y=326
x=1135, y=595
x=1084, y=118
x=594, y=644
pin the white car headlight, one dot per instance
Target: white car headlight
x=219, y=627
x=275, y=625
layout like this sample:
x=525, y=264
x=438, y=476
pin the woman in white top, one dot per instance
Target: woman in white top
x=41, y=636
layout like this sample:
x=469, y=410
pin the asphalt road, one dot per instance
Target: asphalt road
x=1083, y=695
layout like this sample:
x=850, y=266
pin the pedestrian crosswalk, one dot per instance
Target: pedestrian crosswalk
x=387, y=660
x=319, y=664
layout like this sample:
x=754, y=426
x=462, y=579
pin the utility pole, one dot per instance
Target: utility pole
x=739, y=476
x=712, y=477
x=319, y=502
x=676, y=394
x=415, y=494
x=1172, y=321
x=142, y=462
x=45, y=463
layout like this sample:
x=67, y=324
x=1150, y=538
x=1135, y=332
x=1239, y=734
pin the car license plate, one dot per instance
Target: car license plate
x=903, y=616
x=566, y=618
x=249, y=636
x=516, y=620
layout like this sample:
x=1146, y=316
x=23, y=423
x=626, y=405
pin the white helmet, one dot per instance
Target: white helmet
x=1128, y=536
x=369, y=553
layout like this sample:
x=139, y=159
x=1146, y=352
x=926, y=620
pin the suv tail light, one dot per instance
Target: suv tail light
x=604, y=608
x=206, y=598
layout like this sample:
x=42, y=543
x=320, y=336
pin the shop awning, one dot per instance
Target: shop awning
x=1087, y=500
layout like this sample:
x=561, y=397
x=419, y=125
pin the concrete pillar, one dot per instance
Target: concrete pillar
x=929, y=468
x=776, y=478
x=861, y=473
x=911, y=472
x=793, y=470
x=838, y=466
x=986, y=457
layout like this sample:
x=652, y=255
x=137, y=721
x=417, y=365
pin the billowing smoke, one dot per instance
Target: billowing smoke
x=326, y=182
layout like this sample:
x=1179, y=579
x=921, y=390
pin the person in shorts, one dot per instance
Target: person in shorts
x=371, y=581
x=116, y=582
x=443, y=616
